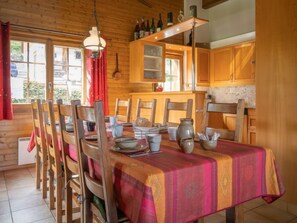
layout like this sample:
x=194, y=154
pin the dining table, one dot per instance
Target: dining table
x=172, y=186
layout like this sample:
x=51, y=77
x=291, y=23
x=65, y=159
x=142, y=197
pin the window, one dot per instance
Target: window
x=68, y=73
x=27, y=71
x=173, y=73
x=43, y=70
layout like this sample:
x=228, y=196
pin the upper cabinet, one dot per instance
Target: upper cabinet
x=202, y=65
x=147, y=61
x=244, y=62
x=233, y=65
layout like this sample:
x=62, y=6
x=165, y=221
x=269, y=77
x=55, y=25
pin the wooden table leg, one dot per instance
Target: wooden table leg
x=235, y=214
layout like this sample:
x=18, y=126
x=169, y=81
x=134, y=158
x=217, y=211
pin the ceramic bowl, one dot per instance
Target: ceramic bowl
x=126, y=142
x=207, y=144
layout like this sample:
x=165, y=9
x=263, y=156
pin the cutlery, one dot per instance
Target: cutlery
x=144, y=153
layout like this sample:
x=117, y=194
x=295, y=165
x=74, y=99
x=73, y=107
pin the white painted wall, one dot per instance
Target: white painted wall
x=202, y=32
x=228, y=19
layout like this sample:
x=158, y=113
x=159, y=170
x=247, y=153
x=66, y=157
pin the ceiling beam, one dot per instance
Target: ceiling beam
x=206, y=4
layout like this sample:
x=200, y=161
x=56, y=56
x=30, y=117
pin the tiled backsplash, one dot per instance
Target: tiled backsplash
x=232, y=94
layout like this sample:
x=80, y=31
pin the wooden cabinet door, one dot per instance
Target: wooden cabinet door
x=222, y=66
x=244, y=63
x=203, y=60
x=147, y=62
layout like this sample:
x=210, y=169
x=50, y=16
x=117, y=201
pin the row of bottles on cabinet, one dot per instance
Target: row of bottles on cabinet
x=143, y=30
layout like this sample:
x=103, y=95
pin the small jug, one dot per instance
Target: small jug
x=187, y=145
x=185, y=130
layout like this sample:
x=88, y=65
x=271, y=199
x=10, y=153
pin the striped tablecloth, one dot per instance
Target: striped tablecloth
x=175, y=187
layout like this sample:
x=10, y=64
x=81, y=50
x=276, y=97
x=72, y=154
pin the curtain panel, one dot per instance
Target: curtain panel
x=5, y=90
x=97, y=79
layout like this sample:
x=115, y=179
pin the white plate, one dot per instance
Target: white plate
x=137, y=149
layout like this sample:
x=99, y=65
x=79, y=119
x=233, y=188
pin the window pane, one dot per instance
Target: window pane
x=75, y=74
x=60, y=55
x=18, y=50
x=172, y=75
x=75, y=56
x=36, y=53
x=28, y=77
x=68, y=73
x=37, y=73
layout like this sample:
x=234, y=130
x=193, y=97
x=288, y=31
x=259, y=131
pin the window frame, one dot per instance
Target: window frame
x=50, y=39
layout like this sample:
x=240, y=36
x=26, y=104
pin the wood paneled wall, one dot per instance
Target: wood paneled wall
x=276, y=86
x=10, y=131
x=117, y=20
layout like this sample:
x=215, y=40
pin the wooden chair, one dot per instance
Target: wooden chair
x=226, y=108
x=71, y=167
x=56, y=175
x=41, y=151
x=99, y=152
x=177, y=106
x=122, y=104
x=147, y=105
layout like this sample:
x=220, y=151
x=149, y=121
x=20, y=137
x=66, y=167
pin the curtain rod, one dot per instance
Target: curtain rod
x=47, y=30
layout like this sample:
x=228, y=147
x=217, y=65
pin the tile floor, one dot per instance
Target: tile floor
x=20, y=202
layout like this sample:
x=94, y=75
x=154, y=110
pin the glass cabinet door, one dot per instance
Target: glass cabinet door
x=153, y=62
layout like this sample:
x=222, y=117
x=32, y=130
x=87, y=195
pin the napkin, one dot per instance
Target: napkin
x=214, y=137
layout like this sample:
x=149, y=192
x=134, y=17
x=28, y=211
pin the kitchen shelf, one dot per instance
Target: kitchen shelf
x=153, y=70
x=153, y=57
x=175, y=29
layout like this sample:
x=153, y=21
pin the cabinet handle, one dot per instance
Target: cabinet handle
x=253, y=62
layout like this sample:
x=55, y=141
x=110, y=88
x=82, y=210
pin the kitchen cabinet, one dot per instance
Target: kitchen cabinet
x=147, y=61
x=221, y=66
x=244, y=62
x=233, y=65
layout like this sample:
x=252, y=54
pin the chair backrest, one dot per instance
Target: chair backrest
x=123, y=104
x=71, y=167
x=147, y=105
x=38, y=127
x=177, y=106
x=99, y=152
x=226, y=108
x=51, y=136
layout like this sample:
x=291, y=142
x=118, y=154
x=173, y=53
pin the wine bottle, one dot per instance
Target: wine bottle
x=153, y=28
x=160, y=24
x=169, y=19
x=190, y=39
x=147, y=30
x=136, y=30
x=142, y=28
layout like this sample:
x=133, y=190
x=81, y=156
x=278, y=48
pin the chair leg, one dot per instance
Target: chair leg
x=87, y=216
x=58, y=199
x=51, y=191
x=44, y=179
x=38, y=178
x=68, y=195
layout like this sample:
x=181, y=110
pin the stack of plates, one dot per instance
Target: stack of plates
x=141, y=132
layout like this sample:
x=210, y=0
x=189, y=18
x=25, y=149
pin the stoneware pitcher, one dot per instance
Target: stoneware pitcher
x=185, y=130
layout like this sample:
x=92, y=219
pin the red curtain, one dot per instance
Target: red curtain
x=5, y=91
x=97, y=79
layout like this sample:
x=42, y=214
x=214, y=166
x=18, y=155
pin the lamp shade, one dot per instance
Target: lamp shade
x=92, y=42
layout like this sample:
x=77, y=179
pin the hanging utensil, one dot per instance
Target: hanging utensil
x=117, y=74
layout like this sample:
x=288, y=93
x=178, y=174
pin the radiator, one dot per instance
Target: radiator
x=24, y=157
